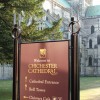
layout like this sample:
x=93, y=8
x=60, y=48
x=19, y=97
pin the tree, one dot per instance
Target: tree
x=27, y=9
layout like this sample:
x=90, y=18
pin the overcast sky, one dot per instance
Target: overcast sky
x=96, y=2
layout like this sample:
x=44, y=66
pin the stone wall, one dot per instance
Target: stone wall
x=90, y=71
x=6, y=71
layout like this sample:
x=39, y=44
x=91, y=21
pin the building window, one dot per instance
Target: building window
x=98, y=39
x=90, y=43
x=92, y=29
x=90, y=61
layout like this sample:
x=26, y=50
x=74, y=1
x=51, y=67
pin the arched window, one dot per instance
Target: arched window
x=90, y=61
x=98, y=39
x=92, y=29
x=90, y=43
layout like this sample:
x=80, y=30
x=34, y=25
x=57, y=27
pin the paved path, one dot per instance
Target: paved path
x=90, y=94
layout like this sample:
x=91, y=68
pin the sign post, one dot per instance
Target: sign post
x=16, y=36
x=42, y=70
x=74, y=27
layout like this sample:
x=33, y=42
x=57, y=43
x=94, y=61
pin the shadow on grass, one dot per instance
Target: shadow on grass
x=89, y=83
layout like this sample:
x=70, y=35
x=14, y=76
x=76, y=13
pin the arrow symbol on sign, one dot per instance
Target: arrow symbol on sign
x=25, y=86
x=25, y=78
x=25, y=97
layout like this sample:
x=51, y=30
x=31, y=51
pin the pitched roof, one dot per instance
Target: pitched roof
x=64, y=3
x=92, y=11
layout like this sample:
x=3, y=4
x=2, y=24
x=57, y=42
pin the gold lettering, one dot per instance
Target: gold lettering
x=43, y=68
x=30, y=65
x=29, y=70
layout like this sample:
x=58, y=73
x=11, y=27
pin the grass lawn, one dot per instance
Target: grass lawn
x=89, y=89
x=5, y=90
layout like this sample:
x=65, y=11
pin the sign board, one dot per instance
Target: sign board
x=44, y=71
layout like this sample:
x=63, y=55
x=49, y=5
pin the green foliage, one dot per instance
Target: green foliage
x=29, y=33
x=52, y=33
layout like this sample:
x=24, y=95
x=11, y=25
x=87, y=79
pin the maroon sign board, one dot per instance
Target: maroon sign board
x=44, y=71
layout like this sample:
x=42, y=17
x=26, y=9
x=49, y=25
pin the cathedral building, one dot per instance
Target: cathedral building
x=89, y=35
x=90, y=44
x=54, y=10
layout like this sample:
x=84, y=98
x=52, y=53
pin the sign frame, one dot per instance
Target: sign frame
x=66, y=59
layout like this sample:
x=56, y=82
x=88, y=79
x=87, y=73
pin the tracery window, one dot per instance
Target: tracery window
x=98, y=39
x=90, y=43
x=92, y=29
x=90, y=61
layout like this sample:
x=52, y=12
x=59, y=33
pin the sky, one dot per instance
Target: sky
x=96, y=2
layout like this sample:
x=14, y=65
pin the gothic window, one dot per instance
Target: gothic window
x=90, y=43
x=92, y=29
x=90, y=61
x=98, y=39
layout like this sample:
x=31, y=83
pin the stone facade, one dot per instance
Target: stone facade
x=90, y=47
x=89, y=32
x=54, y=10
